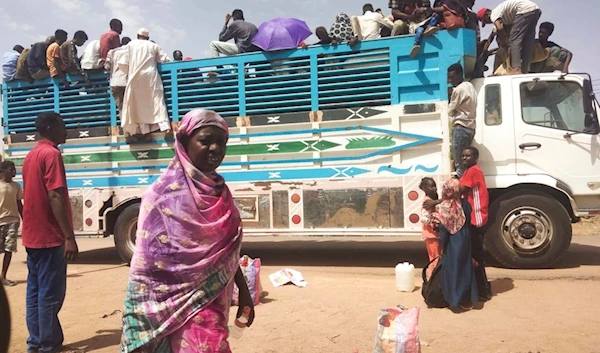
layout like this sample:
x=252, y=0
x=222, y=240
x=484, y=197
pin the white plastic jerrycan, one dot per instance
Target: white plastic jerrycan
x=405, y=277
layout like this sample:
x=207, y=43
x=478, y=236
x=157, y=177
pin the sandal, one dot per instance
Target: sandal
x=9, y=283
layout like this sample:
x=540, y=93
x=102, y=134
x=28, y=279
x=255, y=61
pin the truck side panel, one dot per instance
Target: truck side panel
x=331, y=138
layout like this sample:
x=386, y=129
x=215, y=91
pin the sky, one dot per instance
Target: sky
x=190, y=25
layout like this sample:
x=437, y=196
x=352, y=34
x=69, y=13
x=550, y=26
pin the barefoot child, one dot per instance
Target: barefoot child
x=11, y=209
x=430, y=233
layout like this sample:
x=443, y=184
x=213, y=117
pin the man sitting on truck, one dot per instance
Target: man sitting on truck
x=55, y=64
x=522, y=17
x=240, y=31
x=368, y=26
x=90, y=59
x=462, y=110
x=36, y=60
x=9, y=63
x=561, y=56
x=68, y=54
x=402, y=11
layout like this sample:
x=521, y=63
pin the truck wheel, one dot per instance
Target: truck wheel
x=125, y=229
x=529, y=230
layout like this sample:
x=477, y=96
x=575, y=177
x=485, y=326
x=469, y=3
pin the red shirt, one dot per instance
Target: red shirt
x=477, y=196
x=43, y=170
x=109, y=40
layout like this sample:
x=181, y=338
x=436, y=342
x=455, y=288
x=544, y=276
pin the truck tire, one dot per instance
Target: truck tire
x=5, y=327
x=528, y=230
x=125, y=229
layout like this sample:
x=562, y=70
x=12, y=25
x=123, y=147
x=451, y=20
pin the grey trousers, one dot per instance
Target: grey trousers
x=522, y=39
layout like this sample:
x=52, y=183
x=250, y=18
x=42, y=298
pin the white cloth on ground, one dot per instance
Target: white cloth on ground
x=144, y=108
x=90, y=60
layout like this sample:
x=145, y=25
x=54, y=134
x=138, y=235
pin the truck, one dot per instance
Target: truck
x=334, y=141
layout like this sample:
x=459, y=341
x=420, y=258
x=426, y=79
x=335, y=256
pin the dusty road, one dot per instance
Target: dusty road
x=349, y=281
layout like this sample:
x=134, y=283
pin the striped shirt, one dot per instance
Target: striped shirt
x=477, y=196
x=509, y=9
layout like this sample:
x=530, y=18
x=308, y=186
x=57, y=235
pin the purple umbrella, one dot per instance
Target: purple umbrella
x=281, y=33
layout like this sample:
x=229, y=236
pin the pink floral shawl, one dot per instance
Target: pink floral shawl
x=187, y=247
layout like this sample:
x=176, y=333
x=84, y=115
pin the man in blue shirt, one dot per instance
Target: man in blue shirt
x=9, y=63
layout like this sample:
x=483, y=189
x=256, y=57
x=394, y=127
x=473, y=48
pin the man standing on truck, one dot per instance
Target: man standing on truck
x=47, y=234
x=515, y=20
x=462, y=110
x=118, y=77
x=144, y=107
x=110, y=40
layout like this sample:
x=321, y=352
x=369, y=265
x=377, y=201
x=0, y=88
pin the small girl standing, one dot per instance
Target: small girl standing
x=429, y=218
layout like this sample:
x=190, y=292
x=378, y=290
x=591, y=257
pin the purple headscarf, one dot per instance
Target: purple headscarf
x=187, y=247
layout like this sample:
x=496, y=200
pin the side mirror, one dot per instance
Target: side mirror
x=591, y=125
x=591, y=115
x=588, y=97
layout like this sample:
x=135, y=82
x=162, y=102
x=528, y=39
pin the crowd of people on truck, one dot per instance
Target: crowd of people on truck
x=133, y=63
x=175, y=302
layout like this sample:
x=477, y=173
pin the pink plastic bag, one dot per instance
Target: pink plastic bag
x=398, y=331
x=251, y=270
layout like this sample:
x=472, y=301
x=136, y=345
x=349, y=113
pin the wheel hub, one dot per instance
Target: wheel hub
x=527, y=229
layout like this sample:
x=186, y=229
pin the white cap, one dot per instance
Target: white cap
x=143, y=32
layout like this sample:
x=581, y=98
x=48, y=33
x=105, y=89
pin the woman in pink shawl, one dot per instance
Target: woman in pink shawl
x=458, y=277
x=187, y=250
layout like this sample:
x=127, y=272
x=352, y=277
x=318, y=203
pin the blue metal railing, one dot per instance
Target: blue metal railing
x=373, y=73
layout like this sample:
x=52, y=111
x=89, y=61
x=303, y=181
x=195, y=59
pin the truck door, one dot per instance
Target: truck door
x=494, y=136
x=551, y=138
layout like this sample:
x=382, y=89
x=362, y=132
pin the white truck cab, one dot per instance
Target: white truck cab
x=539, y=148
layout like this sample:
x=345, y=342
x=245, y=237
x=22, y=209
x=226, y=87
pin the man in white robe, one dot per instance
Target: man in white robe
x=144, y=108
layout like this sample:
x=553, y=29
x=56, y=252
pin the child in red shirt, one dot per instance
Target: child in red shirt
x=474, y=189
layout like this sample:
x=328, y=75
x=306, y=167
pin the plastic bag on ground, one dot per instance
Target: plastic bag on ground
x=287, y=275
x=398, y=331
x=251, y=270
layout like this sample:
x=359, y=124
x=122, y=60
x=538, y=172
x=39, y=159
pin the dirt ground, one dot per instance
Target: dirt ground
x=349, y=280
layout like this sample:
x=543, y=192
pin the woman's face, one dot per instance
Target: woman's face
x=206, y=148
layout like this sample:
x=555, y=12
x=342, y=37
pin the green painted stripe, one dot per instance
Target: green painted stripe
x=158, y=154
